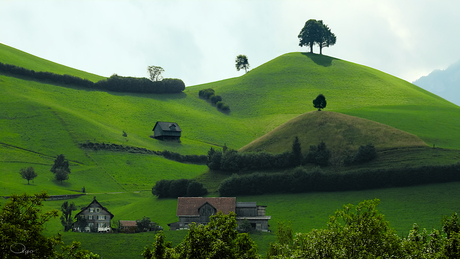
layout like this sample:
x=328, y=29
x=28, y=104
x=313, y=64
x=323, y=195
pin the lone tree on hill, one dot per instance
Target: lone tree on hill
x=316, y=32
x=155, y=73
x=320, y=102
x=61, y=175
x=60, y=163
x=28, y=173
x=242, y=63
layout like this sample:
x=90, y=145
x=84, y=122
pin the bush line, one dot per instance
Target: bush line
x=114, y=83
x=301, y=181
x=210, y=95
x=193, y=159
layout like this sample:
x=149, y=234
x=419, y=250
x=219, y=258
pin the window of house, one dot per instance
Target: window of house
x=101, y=217
x=91, y=209
x=90, y=217
x=82, y=216
x=97, y=210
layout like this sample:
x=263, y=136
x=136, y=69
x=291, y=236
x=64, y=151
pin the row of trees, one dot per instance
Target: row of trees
x=300, y=180
x=194, y=159
x=114, y=83
x=60, y=169
x=178, y=188
x=232, y=161
x=210, y=95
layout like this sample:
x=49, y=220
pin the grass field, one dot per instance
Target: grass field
x=40, y=121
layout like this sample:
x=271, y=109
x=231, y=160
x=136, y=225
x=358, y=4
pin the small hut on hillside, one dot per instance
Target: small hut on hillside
x=166, y=131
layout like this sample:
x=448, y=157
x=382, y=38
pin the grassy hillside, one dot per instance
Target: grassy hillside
x=40, y=121
x=340, y=132
x=286, y=86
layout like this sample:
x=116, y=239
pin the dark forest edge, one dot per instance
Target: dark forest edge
x=193, y=159
x=114, y=83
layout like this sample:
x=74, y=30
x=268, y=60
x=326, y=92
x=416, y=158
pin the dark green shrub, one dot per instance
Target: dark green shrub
x=365, y=153
x=216, y=98
x=318, y=155
x=196, y=189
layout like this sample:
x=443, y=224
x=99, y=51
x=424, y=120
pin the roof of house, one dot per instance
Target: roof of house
x=94, y=202
x=188, y=206
x=128, y=223
x=167, y=126
x=246, y=204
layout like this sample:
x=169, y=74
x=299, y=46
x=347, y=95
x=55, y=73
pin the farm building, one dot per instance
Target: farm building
x=198, y=210
x=93, y=217
x=166, y=131
x=127, y=226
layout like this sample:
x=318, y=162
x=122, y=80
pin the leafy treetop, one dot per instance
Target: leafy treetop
x=316, y=32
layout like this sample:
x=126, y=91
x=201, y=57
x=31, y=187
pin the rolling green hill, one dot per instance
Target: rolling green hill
x=285, y=87
x=339, y=132
x=39, y=121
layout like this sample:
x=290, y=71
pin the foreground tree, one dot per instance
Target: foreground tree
x=320, y=102
x=66, y=218
x=155, y=73
x=21, y=226
x=316, y=32
x=218, y=239
x=242, y=63
x=28, y=173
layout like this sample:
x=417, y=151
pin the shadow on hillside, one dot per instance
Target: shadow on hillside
x=321, y=60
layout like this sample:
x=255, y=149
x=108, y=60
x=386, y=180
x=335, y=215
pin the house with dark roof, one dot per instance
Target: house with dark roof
x=199, y=209
x=166, y=131
x=93, y=218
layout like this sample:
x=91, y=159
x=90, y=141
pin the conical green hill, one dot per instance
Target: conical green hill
x=340, y=132
x=285, y=87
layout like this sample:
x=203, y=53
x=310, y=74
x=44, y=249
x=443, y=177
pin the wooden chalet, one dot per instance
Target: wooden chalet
x=166, y=131
x=93, y=217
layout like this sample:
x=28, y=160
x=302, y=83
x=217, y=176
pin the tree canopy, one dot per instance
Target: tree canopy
x=242, y=63
x=155, y=73
x=21, y=226
x=320, y=102
x=218, y=239
x=316, y=32
x=28, y=173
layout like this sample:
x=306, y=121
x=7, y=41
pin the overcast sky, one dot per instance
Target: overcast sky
x=198, y=41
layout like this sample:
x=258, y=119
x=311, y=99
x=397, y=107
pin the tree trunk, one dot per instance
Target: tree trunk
x=320, y=50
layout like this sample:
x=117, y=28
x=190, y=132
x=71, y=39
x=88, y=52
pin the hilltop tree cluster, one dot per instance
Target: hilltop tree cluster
x=315, y=32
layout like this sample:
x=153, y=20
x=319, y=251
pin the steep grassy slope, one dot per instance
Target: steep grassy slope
x=19, y=58
x=340, y=132
x=285, y=87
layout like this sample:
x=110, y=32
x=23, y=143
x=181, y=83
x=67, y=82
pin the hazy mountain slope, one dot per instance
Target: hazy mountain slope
x=445, y=83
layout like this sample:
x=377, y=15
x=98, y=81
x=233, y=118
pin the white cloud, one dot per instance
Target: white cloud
x=198, y=41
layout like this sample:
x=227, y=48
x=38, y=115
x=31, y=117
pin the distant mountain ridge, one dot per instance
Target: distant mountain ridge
x=445, y=83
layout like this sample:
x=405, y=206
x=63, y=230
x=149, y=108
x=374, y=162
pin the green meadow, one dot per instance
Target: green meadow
x=39, y=121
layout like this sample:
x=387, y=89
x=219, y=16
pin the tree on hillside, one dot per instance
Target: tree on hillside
x=28, y=173
x=61, y=175
x=155, y=73
x=316, y=32
x=296, y=155
x=66, y=218
x=326, y=39
x=320, y=102
x=60, y=163
x=242, y=63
